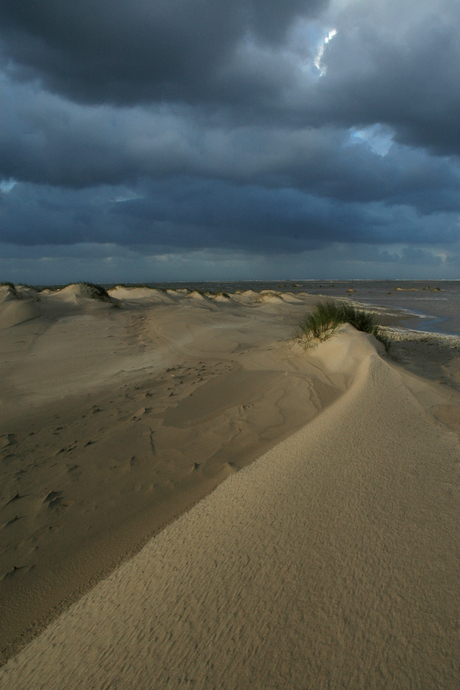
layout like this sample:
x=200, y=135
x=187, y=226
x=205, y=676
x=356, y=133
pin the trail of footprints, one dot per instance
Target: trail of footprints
x=41, y=468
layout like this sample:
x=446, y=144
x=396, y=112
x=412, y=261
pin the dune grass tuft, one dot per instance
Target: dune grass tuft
x=11, y=288
x=97, y=292
x=326, y=318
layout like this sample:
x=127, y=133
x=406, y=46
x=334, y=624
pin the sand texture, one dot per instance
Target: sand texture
x=115, y=417
x=332, y=561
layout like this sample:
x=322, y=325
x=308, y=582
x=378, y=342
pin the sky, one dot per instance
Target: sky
x=170, y=140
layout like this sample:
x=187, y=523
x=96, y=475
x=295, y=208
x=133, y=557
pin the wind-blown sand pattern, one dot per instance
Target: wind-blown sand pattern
x=329, y=562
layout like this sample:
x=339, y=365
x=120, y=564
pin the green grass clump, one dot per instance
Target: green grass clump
x=97, y=292
x=326, y=318
x=11, y=287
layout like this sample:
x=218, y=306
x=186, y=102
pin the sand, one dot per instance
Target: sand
x=328, y=558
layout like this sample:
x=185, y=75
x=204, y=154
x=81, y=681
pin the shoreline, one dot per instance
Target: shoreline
x=410, y=334
x=381, y=296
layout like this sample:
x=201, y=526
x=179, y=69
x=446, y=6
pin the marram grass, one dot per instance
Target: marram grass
x=96, y=292
x=326, y=317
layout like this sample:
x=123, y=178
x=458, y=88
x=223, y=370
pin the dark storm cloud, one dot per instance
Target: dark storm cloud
x=46, y=140
x=396, y=63
x=192, y=214
x=130, y=51
x=389, y=62
x=190, y=124
x=414, y=255
x=219, y=214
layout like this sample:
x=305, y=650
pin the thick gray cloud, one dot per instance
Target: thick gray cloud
x=396, y=63
x=46, y=140
x=184, y=213
x=129, y=52
x=389, y=62
x=244, y=126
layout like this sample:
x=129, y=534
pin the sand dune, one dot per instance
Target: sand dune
x=118, y=416
x=329, y=562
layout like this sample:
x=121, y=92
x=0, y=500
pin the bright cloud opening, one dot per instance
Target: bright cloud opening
x=7, y=185
x=317, y=61
x=378, y=138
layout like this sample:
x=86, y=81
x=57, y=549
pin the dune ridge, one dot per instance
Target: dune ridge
x=330, y=562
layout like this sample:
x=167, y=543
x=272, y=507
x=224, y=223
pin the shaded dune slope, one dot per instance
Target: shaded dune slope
x=114, y=421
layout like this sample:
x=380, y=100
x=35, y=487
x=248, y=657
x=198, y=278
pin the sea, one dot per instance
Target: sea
x=432, y=306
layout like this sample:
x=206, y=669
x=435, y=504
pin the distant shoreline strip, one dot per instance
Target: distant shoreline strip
x=422, y=336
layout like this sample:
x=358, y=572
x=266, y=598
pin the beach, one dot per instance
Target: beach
x=191, y=498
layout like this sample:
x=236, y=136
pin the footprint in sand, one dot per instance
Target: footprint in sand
x=75, y=472
x=68, y=449
x=6, y=441
x=15, y=519
x=54, y=499
x=17, y=569
x=16, y=498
